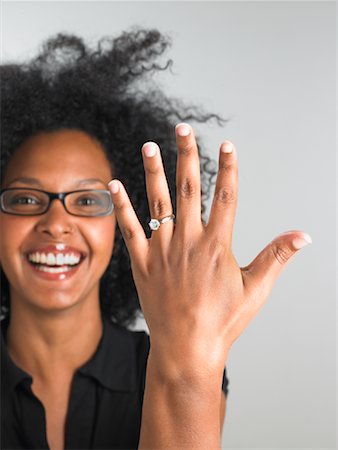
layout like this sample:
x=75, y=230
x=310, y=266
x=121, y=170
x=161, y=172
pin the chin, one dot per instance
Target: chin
x=50, y=301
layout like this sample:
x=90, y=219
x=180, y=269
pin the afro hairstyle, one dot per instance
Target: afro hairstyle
x=108, y=92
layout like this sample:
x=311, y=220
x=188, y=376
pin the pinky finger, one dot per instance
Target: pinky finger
x=131, y=229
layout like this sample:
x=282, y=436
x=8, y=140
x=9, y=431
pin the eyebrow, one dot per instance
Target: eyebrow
x=35, y=182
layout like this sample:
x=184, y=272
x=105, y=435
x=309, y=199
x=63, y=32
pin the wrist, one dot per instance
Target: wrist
x=184, y=370
x=182, y=407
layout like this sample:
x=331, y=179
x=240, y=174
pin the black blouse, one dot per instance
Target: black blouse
x=105, y=403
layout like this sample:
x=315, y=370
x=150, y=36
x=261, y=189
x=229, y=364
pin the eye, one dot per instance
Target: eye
x=88, y=201
x=24, y=200
x=94, y=202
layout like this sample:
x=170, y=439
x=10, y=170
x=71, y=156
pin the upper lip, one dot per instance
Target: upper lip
x=54, y=248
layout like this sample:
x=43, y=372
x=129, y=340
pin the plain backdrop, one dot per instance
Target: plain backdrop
x=270, y=68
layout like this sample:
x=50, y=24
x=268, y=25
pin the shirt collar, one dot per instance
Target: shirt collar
x=113, y=364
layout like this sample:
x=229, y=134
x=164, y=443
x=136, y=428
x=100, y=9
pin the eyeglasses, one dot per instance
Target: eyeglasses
x=34, y=202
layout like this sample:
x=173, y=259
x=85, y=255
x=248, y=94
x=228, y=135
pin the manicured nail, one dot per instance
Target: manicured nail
x=150, y=149
x=300, y=242
x=183, y=129
x=227, y=147
x=114, y=186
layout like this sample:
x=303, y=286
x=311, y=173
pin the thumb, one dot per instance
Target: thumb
x=262, y=273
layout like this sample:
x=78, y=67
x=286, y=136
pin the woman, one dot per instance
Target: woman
x=73, y=121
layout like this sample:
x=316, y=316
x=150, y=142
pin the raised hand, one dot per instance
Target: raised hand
x=195, y=298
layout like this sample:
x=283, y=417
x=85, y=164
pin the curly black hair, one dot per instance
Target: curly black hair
x=102, y=92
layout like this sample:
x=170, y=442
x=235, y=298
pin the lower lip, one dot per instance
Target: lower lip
x=61, y=276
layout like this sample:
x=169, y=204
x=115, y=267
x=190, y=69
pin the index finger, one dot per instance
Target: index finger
x=131, y=229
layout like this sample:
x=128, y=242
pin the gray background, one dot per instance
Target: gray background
x=270, y=68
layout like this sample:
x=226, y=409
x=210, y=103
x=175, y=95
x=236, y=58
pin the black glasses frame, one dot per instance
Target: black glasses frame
x=55, y=196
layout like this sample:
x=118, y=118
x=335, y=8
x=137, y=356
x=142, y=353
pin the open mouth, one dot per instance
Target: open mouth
x=54, y=269
x=54, y=263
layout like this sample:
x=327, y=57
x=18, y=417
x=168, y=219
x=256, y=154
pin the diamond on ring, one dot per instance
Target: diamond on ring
x=154, y=224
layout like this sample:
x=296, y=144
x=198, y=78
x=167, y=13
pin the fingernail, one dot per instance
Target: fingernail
x=300, y=242
x=183, y=129
x=150, y=149
x=114, y=186
x=227, y=147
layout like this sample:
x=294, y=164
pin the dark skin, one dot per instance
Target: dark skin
x=187, y=274
x=52, y=350
x=44, y=314
x=192, y=325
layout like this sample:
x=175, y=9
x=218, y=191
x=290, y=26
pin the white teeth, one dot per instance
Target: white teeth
x=75, y=259
x=59, y=259
x=51, y=260
x=54, y=269
x=54, y=260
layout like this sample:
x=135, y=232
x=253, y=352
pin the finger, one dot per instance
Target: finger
x=261, y=274
x=188, y=183
x=131, y=229
x=223, y=208
x=158, y=194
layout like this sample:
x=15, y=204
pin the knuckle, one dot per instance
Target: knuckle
x=152, y=169
x=226, y=165
x=120, y=206
x=160, y=263
x=216, y=247
x=225, y=195
x=186, y=189
x=186, y=149
x=184, y=255
x=281, y=253
x=189, y=256
x=160, y=208
x=128, y=233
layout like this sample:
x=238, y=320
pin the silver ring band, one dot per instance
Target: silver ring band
x=155, y=224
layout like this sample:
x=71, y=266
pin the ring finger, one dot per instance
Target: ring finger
x=158, y=194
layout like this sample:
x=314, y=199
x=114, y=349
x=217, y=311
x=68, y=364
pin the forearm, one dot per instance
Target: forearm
x=182, y=411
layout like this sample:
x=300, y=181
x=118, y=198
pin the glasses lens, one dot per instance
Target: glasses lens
x=89, y=203
x=24, y=202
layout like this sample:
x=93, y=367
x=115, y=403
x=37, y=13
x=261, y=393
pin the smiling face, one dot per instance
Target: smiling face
x=57, y=161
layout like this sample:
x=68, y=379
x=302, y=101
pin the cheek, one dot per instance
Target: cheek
x=13, y=230
x=101, y=236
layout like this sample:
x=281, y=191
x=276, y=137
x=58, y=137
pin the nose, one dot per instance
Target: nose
x=56, y=221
